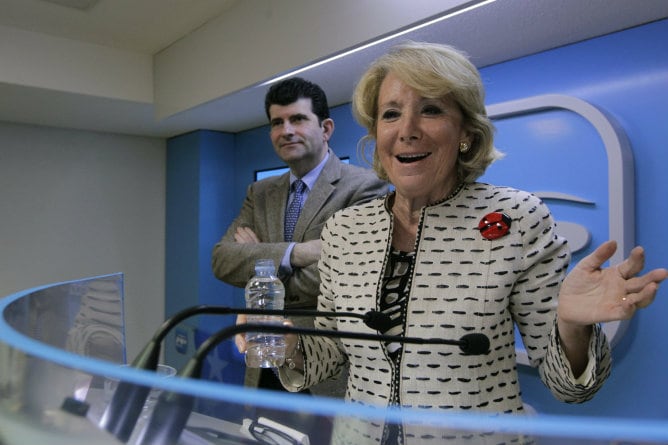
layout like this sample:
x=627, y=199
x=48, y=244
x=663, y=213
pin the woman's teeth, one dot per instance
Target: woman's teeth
x=407, y=159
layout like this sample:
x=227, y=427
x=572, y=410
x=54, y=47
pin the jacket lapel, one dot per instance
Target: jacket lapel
x=319, y=195
x=277, y=197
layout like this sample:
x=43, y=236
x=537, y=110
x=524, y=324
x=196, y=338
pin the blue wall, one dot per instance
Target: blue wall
x=625, y=74
x=200, y=183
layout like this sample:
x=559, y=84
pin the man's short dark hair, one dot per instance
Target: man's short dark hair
x=291, y=90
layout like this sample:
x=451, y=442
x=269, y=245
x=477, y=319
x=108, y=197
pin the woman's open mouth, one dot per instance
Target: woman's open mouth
x=407, y=159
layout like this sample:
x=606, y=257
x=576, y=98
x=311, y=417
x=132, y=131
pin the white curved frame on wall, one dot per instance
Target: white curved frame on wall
x=621, y=182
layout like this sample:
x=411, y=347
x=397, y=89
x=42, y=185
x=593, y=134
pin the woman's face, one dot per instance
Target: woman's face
x=417, y=140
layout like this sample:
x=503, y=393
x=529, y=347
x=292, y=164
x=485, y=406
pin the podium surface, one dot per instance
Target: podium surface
x=62, y=350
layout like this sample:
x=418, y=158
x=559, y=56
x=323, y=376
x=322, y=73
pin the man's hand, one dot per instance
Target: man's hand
x=305, y=254
x=245, y=235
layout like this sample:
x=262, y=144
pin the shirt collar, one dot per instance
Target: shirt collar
x=310, y=177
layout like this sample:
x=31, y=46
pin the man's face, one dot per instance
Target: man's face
x=299, y=140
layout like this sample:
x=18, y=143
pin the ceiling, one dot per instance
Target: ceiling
x=500, y=31
x=143, y=26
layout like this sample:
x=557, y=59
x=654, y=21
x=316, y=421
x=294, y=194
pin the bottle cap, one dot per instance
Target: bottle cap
x=265, y=265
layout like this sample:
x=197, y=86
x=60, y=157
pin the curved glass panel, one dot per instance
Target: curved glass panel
x=62, y=372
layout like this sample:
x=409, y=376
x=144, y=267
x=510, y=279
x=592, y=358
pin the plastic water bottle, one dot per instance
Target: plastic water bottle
x=265, y=291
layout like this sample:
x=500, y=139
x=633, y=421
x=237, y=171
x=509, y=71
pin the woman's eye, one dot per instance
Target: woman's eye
x=432, y=110
x=389, y=114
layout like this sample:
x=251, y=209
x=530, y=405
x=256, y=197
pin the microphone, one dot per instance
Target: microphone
x=172, y=410
x=148, y=357
x=120, y=416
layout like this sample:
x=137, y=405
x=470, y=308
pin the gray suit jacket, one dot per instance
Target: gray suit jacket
x=339, y=185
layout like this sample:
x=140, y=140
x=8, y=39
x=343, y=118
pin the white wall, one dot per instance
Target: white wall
x=75, y=204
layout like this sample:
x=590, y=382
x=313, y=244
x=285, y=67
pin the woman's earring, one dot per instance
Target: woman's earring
x=463, y=147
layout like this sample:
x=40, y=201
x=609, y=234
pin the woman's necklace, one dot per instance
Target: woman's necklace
x=405, y=229
x=450, y=196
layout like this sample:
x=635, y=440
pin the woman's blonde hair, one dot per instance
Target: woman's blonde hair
x=434, y=70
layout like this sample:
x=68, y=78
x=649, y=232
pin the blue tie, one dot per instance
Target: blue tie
x=293, y=210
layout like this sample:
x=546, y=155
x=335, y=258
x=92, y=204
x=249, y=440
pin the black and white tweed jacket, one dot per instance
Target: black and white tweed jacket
x=461, y=283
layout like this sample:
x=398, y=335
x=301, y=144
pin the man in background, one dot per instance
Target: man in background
x=319, y=183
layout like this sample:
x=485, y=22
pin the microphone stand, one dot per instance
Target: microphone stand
x=120, y=416
x=172, y=410
x=149, y=355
